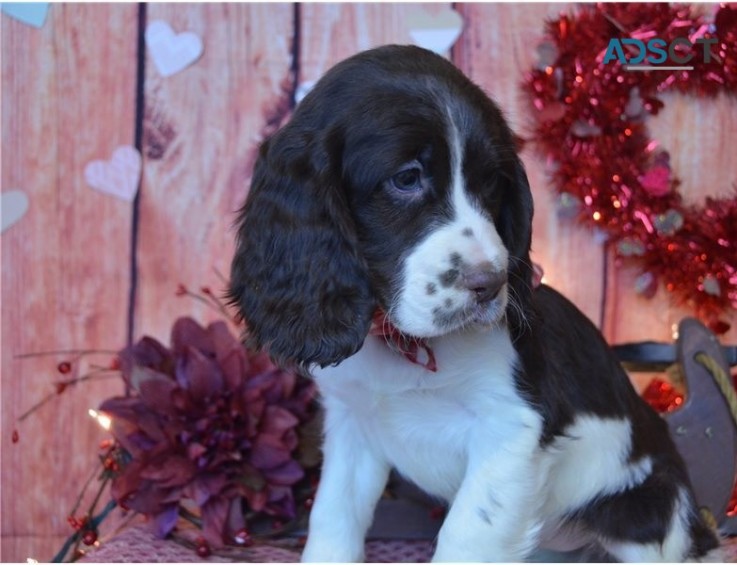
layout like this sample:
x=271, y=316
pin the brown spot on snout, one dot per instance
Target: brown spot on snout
x=449, y=277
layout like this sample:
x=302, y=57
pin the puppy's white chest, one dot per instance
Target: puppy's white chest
x=426, y=423
x=425, y=435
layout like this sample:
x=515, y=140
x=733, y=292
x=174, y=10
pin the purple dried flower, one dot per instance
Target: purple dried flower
x=209, y=422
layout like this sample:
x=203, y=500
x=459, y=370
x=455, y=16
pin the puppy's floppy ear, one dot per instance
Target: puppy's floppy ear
x=297, y=276
x=516, y=228
x=517, y=219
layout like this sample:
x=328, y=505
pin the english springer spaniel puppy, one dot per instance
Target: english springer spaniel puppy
x=396, y=188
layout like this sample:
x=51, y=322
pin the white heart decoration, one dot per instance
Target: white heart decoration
x=171, y=52
x=303, y=90
x=30, y=13
x=14, y=207
x=436, y=32
x=118, y=177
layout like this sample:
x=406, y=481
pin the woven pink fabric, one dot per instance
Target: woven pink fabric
x=138, y=545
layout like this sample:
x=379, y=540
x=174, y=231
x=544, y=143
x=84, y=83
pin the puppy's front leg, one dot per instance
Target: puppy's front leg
x=352, y=480
x=494, y=516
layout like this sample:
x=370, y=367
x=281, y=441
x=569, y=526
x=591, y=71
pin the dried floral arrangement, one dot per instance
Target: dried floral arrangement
x=209, y=433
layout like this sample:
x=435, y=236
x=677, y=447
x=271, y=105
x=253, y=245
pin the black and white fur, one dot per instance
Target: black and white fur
x=396, y=185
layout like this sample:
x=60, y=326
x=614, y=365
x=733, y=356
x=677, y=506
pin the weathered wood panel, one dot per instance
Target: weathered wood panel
x=68, y=98
x=332, y=32
x=202, y=126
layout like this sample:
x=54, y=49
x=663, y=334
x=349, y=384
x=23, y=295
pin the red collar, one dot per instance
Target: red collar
x=411, y=347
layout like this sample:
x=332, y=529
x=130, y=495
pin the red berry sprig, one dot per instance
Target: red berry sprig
x=243, y=537
x=203, y=548
x=89, y=537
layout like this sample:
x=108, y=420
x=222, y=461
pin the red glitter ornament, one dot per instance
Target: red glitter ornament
x=591, y=122
x=662, y=396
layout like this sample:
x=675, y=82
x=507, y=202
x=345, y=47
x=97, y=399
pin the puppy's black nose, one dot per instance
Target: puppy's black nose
x=484, y=281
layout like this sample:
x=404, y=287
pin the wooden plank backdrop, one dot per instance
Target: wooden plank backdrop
x=199, y=140
x=68, y=99
x=70, y=96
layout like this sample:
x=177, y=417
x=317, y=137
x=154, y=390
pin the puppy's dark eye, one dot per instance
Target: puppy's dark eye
x=408, y=180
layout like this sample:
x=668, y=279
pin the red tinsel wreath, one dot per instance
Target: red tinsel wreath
x=591, y=122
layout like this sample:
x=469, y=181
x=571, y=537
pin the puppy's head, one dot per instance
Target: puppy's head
x=395, y=185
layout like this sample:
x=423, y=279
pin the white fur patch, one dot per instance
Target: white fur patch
x=590, y=459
